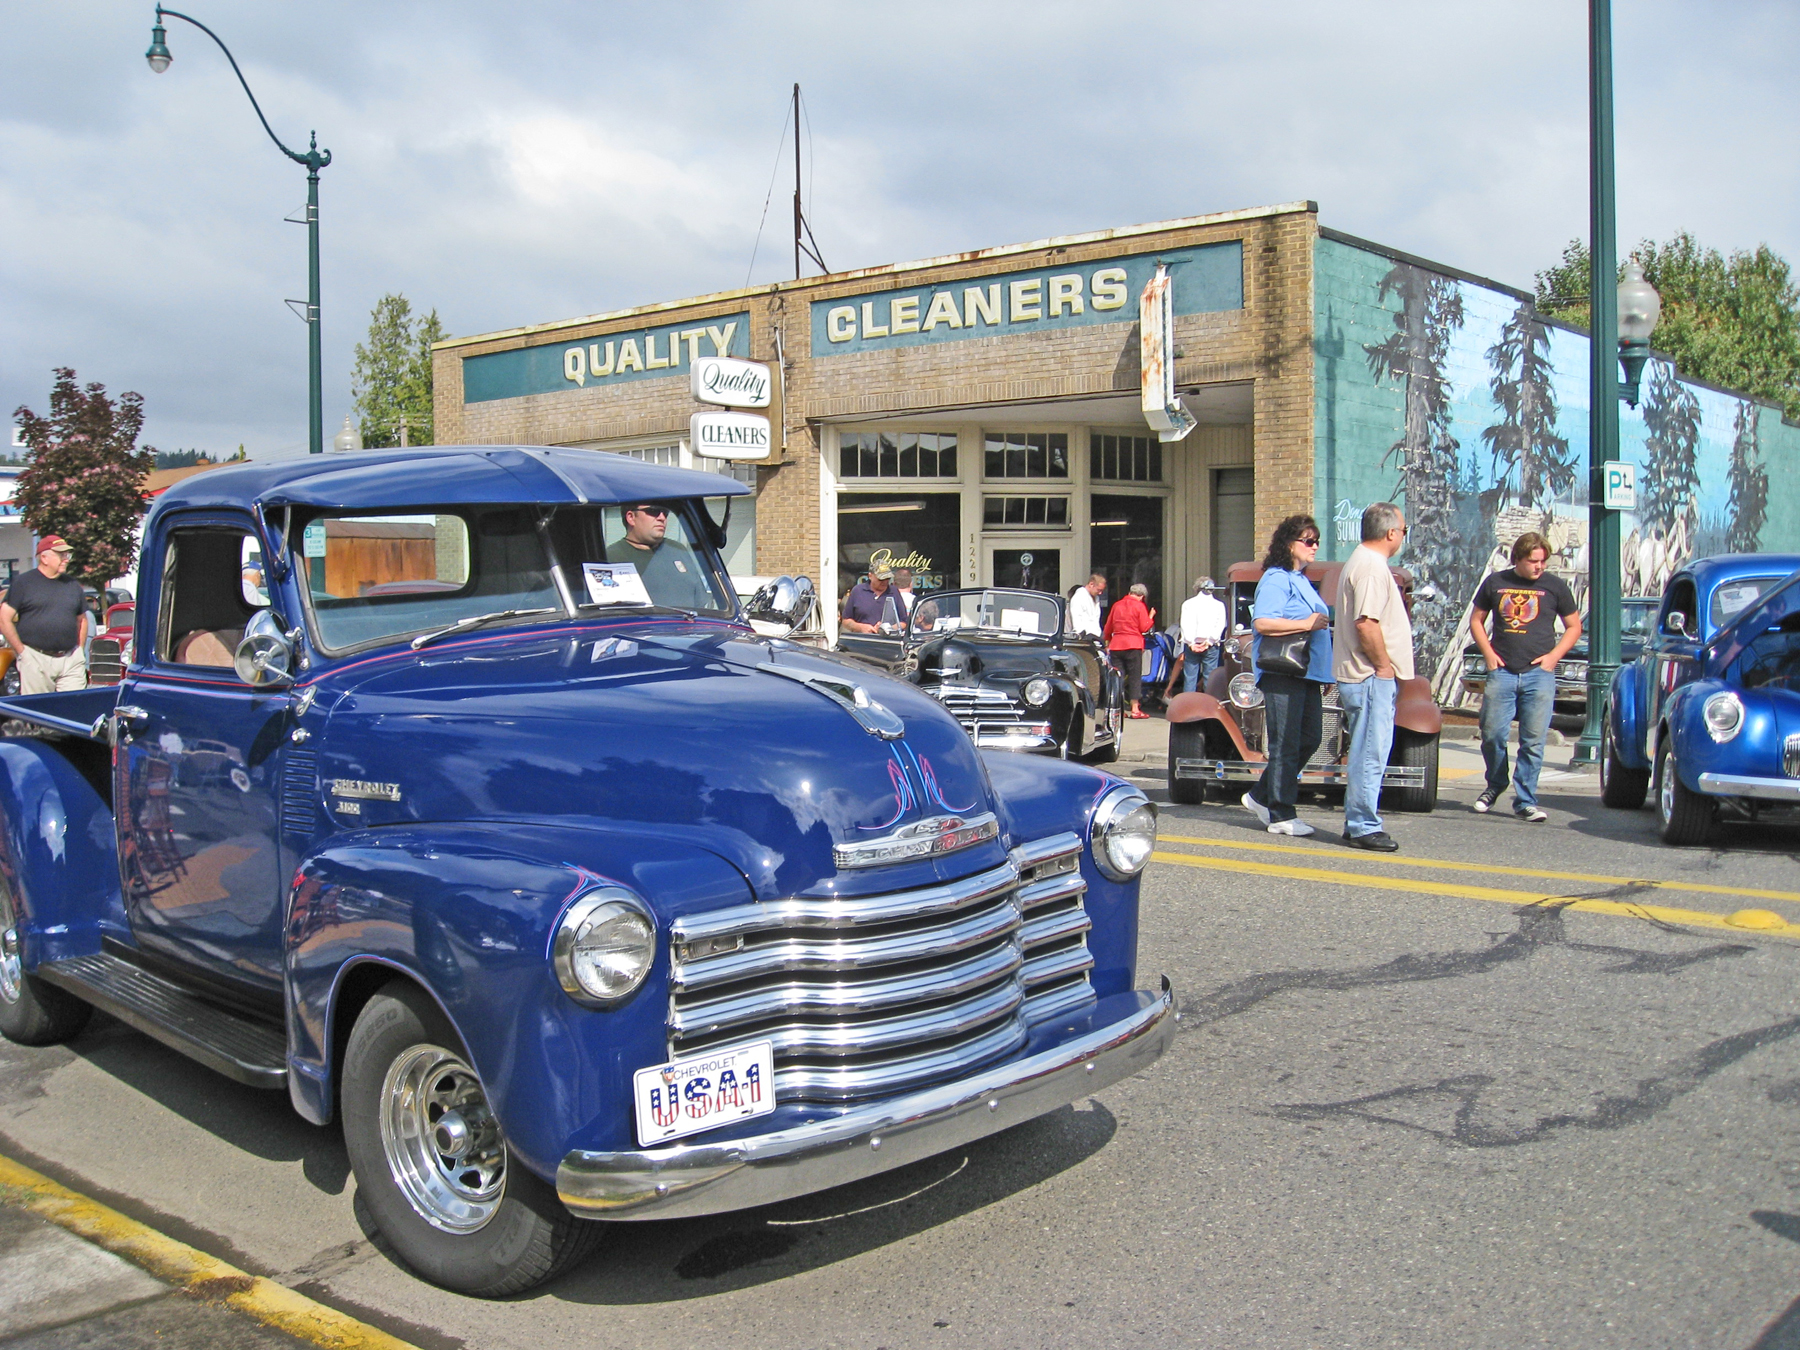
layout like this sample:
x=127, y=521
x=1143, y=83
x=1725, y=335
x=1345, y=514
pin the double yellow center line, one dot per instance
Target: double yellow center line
x=1761, y=921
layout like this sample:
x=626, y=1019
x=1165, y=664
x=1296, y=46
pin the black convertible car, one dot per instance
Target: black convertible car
x=1003, y=664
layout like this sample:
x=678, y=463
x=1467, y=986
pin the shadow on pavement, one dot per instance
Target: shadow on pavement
x=694, y=1258
x=261, y=1124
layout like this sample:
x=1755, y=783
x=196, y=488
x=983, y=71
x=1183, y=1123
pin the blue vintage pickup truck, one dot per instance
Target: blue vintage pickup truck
x=449, y=791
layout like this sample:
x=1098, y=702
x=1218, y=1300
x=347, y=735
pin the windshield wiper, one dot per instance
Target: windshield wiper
x=476, y=620
x=627, y=607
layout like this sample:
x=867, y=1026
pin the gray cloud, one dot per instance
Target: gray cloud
x=515, y=165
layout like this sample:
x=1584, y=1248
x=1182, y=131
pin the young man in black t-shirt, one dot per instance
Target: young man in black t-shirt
x=1525, y=604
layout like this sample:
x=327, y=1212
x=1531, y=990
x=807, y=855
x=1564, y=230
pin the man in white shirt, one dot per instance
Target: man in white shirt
x=1372, y=651
x=1084, y=607
x=1202, y=627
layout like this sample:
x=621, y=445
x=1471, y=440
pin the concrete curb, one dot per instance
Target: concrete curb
x=188, y=1268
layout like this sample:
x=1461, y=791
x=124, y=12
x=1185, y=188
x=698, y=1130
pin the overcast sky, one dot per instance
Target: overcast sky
x=510, y=164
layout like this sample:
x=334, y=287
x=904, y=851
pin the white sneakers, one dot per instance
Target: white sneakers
x=1261, y=812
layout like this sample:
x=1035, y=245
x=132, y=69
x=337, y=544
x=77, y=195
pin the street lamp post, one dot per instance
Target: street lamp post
x=1621, y=321
x=314, y=159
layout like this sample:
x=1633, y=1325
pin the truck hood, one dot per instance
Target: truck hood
x=711, y=736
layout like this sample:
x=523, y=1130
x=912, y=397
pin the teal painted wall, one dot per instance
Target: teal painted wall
x=1407, y=360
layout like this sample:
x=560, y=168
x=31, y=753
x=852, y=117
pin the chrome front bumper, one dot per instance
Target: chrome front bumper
x=1314, y=775
x=684, y=1180
x=1763, y=789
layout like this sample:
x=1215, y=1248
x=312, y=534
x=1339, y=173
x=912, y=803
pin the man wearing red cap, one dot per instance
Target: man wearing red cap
x=44, y=620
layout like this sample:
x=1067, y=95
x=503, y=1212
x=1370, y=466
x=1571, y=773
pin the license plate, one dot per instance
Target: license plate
x=686, y=1096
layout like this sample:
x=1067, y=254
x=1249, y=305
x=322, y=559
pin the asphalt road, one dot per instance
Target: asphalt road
x=1421, y=1101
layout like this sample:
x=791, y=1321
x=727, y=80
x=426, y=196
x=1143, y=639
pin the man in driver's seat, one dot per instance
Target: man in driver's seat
x=670, y=572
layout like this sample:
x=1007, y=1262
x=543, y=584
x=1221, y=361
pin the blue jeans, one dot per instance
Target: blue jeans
x=1295, y=724
x=1197, y=667
x=1529, y=698
x=1369, y=717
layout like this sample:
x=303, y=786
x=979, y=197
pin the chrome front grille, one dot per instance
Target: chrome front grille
x=871, y=994
x=106, y=663
x=1790, y=756
x=992, y=715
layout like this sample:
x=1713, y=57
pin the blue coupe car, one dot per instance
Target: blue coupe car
x=1710, y=710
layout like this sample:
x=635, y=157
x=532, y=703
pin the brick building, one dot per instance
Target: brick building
x=979, y=415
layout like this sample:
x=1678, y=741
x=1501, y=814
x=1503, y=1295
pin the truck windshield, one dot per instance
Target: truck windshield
x=377, y=576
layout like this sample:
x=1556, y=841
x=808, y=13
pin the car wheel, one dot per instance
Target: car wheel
x=1187, y=740
x=1621, y=788
x=1686, y=817
x=1413, y=751
x=441, y=1187
x=1109, y=752
x=9, y=682
x=32, y=1012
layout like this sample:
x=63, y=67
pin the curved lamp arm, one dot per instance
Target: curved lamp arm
x=315, y=159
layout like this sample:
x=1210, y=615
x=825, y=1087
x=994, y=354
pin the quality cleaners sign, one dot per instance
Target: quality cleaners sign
x=611, y=358
x=735, y=384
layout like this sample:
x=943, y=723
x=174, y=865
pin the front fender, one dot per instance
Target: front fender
x=1416, y=710
x=58, y=850
x=1624, y=711
x=469, y=913
x=1198, y=707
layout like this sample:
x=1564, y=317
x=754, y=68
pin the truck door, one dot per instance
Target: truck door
x=1672, y=663
x=197, y=775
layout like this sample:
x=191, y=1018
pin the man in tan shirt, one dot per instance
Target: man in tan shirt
x=1372, y=651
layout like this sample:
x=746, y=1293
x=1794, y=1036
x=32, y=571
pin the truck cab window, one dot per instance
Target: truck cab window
x=205, y=596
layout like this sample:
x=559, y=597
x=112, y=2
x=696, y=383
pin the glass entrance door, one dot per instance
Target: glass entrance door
x=1127, y=544
x=1028, y=567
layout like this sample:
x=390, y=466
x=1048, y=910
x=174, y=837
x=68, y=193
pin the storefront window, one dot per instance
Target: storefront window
x=1124, y=459
x=1027, y=454
x=916, y=530
x=1050, y=512
x=905, y=454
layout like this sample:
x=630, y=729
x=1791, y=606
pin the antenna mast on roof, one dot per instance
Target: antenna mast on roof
x=803, y=235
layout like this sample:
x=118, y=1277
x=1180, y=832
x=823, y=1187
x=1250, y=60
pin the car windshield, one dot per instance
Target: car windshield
x=1033, y=614
x=1638, y=620
x=1730, y=598
x=375, y=576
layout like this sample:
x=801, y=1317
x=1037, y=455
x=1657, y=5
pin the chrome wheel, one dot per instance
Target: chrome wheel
x=12, y=967
x=1665, y=790
x=443, y=1145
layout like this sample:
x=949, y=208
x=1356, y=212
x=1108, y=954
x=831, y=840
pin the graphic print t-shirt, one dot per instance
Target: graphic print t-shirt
x=1523, y=615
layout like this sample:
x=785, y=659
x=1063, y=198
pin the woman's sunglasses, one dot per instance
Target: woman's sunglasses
x=1310, y=540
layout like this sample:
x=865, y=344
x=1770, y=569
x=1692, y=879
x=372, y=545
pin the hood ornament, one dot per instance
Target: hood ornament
x=848, y=695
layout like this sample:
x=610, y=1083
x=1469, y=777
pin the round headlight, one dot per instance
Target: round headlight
x=1037, y=691
x=1243, y=691
x=604, y=946
x=1124, y=833
x=1724, y=714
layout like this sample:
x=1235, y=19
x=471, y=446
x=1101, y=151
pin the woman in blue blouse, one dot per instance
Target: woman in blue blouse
x=1287, y=603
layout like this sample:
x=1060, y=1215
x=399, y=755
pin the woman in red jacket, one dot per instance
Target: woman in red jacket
x=1126, y=624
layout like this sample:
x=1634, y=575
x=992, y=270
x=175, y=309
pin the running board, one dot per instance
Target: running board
x=251, y=1052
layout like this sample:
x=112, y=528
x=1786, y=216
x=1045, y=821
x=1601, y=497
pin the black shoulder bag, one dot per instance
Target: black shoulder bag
x=1285, y=655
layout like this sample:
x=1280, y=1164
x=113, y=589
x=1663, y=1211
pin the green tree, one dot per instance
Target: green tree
x=86, y=476
x=1749, y=505
x=1731, y=321
x=392, y=379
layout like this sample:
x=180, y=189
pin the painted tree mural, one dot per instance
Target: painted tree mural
x=1416, y=355
x=1532, y=463
x=1749, y=505
x=1669, y=512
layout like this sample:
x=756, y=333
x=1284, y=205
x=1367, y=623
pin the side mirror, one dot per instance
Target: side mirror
x=265, y=657
x=785, y=600
x=1678, y=623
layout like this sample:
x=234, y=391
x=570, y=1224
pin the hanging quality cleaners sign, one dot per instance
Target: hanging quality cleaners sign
x=731, y=435
x=633, y=354
x=1163, y=408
